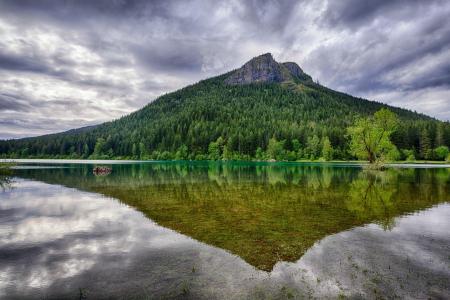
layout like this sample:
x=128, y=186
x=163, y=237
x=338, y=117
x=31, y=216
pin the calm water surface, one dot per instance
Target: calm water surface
x=223, y=231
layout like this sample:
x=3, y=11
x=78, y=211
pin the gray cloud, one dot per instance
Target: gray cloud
x=353, y=13
x=169, y=56
x=84, y=62
x=12, y=103
x=19, y=63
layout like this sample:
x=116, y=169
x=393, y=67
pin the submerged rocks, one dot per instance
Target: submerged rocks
x=101, y=170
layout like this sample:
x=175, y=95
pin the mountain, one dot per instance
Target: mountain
x=263, y=110
x=264, y=69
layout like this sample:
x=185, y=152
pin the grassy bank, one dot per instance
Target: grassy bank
x=7, y=165
x=9, y=162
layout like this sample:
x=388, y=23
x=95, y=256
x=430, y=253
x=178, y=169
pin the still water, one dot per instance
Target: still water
x=223, y=231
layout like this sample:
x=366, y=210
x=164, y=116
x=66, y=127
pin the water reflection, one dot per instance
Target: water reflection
x=264, y=214
x=57, y=241
x=5, y=179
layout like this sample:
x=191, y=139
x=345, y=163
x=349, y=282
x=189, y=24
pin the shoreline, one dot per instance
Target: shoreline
x=399, y=164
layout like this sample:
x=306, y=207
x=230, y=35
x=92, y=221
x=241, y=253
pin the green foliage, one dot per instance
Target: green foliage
x=275, y=149
x=234, y=122
x=441, y=152
x=327, y=149
x=85, y=151
x=259, y=155
x=100, y=151
x=393, y=154
x=143, y=154
x=407, y=155
x=425, y=145
x=182, y=153
x=227, y=205
x=214, y=151
x=312, y=150
x=370, y=137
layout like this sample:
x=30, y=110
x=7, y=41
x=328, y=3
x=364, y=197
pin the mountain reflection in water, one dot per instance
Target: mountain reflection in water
x=56, y=239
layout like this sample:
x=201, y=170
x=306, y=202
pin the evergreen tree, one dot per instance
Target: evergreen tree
x=313, y=147
x=85, y=151
x=99, y=147
x=425, y=145
x=240, y=119
x=143, y=154
x=182, y=153
x=214, y=151
x=134, y=151
x=327, y=149
x=439, y=135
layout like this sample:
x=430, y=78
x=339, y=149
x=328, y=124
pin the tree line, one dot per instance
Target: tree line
x=212, y=121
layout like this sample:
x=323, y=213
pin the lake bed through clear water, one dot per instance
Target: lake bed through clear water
x=205, y=230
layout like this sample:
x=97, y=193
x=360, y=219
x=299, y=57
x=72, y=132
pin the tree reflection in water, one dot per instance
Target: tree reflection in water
x=5, y=179
x=262, y=213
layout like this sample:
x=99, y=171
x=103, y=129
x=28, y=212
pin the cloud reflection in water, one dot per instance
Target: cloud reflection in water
x=55, y=240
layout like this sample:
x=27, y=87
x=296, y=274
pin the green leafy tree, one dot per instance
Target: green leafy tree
x=143, y=153
x=214, y=151
x=370, y=137
x=275, y=149
x=408, y=155
x=99, y=147
x=227, y=154
x=182, y=153
x=296, y=145
x=313, y=147
x=393, y=154
x=327, y=149
x=259, y=155
x=441, y=152
x=243, y=117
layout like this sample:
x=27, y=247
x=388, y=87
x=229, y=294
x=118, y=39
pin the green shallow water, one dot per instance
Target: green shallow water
x=266, y=215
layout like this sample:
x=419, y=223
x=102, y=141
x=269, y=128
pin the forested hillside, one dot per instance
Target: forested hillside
x=239, y=115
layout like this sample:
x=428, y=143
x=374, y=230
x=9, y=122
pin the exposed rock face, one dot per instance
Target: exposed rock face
x=260, y=69
x=264, y=69
x=296, y=71
x=293, y=68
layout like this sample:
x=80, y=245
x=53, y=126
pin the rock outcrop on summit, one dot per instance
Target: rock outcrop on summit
x=264, y=69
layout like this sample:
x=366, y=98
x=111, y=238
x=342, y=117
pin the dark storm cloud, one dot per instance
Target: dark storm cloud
x=269, y=14
x=76, y=12
x=13, y=62
x=356, y=13
x=169, y=55
x=12, y=102
x=88, y=61
x=389, y=46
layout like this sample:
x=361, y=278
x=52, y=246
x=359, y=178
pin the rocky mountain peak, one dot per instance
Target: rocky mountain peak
x=264, y=69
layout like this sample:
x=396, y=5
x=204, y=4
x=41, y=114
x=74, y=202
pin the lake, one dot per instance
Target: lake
x=205, y=230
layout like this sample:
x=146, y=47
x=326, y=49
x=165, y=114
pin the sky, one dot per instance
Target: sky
x=69, y=64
